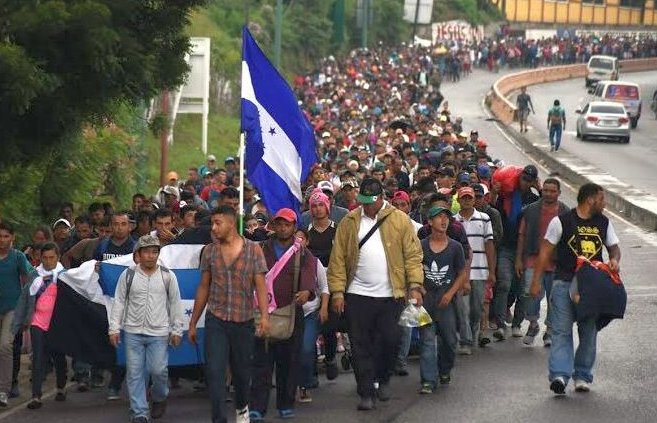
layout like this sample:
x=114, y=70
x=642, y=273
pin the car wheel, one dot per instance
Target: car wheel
x=634, y=122
x=625, y=140
x=584, y=137
x=577, y=133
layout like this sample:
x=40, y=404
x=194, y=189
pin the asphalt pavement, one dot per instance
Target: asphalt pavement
x=505, y=382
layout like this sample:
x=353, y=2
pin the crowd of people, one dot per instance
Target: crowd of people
x=406, y=203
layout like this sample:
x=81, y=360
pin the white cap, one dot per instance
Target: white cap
x=326, y=134
x=64, y=221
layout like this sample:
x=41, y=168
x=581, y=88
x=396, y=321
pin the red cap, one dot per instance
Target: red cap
x=466, y=191
x=286, y=214
x=401, y=195
x=482, y=144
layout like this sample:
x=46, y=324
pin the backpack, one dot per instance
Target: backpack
x=556, y=116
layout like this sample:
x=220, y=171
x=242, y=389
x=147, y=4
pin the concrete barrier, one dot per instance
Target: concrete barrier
x=633, y=204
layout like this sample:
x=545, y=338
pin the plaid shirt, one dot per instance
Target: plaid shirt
x=231, y=288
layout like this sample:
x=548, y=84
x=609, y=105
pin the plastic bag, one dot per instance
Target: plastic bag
x=414, y=316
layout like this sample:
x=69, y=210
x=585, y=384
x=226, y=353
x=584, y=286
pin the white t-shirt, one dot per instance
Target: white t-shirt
x=320, y=288
x=479, y=230
x=371, y=278
x=555, y=230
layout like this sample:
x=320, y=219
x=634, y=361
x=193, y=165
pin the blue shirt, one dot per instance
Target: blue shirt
x=12, y=268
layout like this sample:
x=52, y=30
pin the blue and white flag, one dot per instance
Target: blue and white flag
x=99, y=288
x=280, y=143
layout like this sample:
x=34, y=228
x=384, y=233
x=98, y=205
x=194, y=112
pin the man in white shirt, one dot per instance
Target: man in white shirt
x=147, y=307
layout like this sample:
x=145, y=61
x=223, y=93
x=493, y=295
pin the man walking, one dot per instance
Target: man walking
x=556, y=122
x=232, y=269
x=482, y=269
x=375, y=263
x=581, y=231
x=531, y=230
x=148, y=309
x=14, y=271
x=524, y=102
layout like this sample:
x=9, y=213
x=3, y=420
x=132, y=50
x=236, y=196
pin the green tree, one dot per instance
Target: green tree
x=67, y=62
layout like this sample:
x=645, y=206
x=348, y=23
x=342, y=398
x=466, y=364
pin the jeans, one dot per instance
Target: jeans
x=146, y=356
x=285, y=357
x=533, y=305
x=555, y=136
x=469, y=312
x=40, y=356
x=308, y=350
x=438, y=357
x=404, y=347
x=506, y=271
x=6, y=351
x=228, y=344
x=563, y=360
x=18, y=346
x=374, y=335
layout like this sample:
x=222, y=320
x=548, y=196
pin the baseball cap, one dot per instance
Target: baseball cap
x=480, y=189
x=212, y=158
x=401, y=196
x=326, y=134
x=443, y=118
x=474, y=132
x=286, y=214
x=447, y=171
x=529, y=173
x=381, y=143
x=350, y=183
x=170, y=190
x=483, y=170
x=466, y=191
x=463, y=134
x=435, y=211
x=463, y=177
x=370, y=191
x=482, y=144
x=147, y=241
x=325, y=186
x=229, y=159
x=61, y=221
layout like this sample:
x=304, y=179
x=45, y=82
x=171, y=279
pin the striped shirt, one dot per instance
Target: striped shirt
x=232, y=285
x=479, y=230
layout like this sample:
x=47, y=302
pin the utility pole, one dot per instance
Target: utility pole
x=164, y=137
x=278, y=29
x=417, y=15
x=366, y=16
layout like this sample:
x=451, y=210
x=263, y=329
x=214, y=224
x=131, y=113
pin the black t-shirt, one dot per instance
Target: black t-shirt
x=108, y=250
x=321, y=243
x=440, y=270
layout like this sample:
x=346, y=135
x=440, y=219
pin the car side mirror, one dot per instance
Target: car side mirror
x=578, y=111
x=591, y=90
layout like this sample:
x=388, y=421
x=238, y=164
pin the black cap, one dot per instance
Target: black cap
x=530, y=173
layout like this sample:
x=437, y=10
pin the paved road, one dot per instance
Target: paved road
x=504, y=383
x=634, y=163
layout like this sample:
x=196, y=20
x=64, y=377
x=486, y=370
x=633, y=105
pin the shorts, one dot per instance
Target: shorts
x=522, y=115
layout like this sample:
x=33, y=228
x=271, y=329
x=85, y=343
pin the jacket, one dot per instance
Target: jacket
x=152, y=308
x=24, y=311
x=402, y=249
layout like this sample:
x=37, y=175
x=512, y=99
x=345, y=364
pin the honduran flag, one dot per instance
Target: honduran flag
x=79, y=327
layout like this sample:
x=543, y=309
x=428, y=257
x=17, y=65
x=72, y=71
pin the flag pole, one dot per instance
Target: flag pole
x=243, y=182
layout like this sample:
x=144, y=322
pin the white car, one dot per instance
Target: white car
x=603, y=120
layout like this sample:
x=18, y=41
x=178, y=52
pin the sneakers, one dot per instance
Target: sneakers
x=256, y=416
x=242, y=416
x=113, y=395
x=60, y=396
x=558, y=386
x=426, y=389
x=158, y=409
x=383, y=393
x=445, y=379
x=516, y=332
x=547, y=339
x=582, y=386
x=366, y=404
x=551, y=148
x=304, y=396
x=287, y=413
x=14, y=392
x=532, y=331
x=483, y=341
x=34, y=404
x=401, y=370
x=464, y=350
x=500, y=334
x=3, y=399
x=331, y=370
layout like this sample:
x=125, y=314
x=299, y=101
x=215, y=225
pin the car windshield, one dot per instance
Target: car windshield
x=622, y=92
x=606, y=108
x=601, y=63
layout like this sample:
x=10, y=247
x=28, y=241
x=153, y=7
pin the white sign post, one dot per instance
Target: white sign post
x=194, y=96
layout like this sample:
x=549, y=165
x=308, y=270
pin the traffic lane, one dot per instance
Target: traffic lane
x=632, y=163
